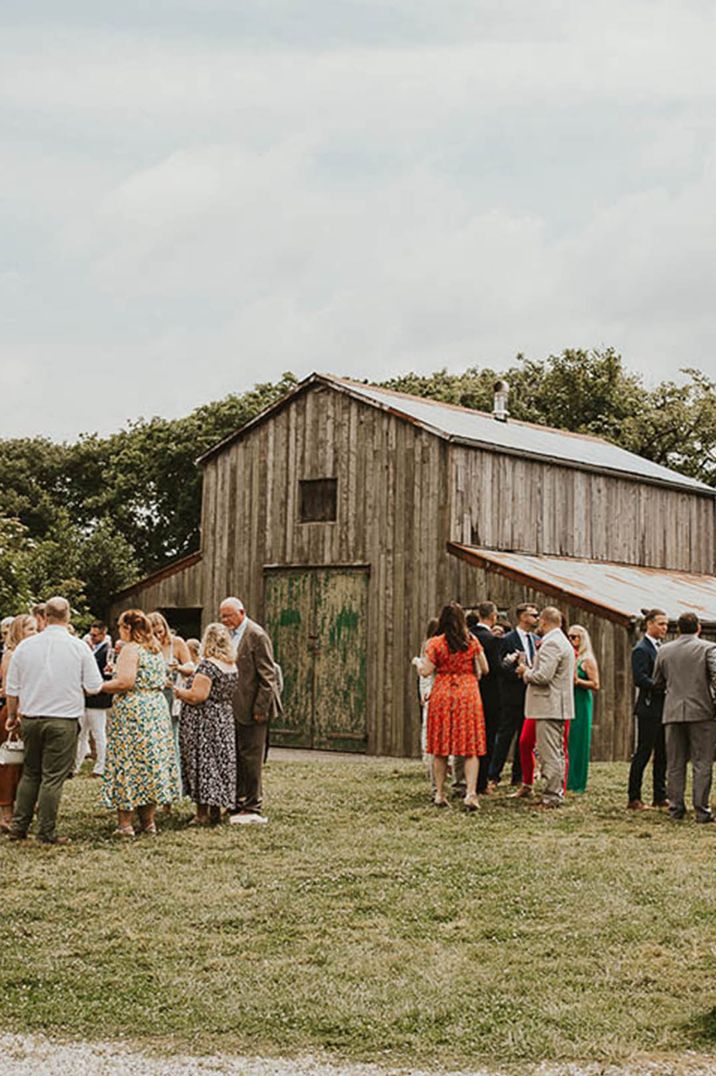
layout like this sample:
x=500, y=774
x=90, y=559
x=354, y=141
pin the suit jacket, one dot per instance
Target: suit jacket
x=512, y=688
x=686, y=669
x=649, y=700
x=490, y=682
x=101, y=701
x=550, y=682
x=257, y=690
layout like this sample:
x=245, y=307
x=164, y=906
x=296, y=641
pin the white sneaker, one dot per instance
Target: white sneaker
x=247, y=819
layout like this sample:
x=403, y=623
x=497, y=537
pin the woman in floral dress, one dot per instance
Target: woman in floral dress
x=206, y=728
x=140, y=769
x=456, y=723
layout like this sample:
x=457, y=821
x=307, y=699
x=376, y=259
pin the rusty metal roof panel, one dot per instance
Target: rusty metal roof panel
x=624, y=589
x=522, y=438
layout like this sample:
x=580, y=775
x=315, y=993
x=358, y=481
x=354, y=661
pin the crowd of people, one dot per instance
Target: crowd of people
x=167, y=718
x=487, y=688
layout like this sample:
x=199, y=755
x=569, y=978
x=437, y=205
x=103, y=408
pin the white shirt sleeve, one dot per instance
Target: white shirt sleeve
x=12, y=681
x=91, y=676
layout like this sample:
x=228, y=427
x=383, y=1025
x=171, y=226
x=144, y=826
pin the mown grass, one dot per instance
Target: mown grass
x=364, y=923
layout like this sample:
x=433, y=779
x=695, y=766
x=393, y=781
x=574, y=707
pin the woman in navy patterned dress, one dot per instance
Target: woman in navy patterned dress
x=207, y=739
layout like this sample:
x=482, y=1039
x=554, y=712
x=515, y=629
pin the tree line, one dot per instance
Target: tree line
x=90, y=517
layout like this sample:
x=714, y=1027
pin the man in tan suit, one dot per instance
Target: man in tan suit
x=256, y=701
x=549, y=700
x=686, y=669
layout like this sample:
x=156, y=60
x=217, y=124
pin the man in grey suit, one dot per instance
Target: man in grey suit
x=549, y=700
x=256, y=701
x=686, y=669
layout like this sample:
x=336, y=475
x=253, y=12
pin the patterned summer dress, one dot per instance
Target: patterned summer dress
x=208, y=741
x=456, y=723
x=141, y=766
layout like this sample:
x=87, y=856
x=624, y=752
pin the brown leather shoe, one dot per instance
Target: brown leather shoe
x=658, y=804
x=524, y=792
x=636, y=805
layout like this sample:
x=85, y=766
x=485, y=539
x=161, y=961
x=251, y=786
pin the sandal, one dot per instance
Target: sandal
x=472, y=803
x=124, y=831
x=150, y=829
x=196, y=821
x=440, y=801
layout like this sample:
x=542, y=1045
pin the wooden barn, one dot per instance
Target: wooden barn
x=346, y=515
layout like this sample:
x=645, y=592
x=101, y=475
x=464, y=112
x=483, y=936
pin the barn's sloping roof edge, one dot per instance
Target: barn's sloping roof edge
x=188, y=560
x=614, y=591
x=464, y=425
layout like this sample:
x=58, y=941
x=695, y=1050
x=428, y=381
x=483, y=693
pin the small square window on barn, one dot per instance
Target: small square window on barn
x=318, y=500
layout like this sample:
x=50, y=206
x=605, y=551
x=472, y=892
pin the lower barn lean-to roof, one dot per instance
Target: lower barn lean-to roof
x=618, y=592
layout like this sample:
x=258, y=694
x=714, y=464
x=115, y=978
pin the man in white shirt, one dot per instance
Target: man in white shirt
x=45, y=690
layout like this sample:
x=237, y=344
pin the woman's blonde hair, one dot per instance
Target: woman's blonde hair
x=158, y=621
x=585, y=649
x=140, y=629
x=217, y=643
x=18, y=629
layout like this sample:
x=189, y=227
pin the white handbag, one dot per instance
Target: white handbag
x=12, y=753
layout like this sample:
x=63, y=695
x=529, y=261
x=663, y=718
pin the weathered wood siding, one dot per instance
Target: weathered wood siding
x=393, y=510
x=613, y=728
x=503, y=502
x=178, y=590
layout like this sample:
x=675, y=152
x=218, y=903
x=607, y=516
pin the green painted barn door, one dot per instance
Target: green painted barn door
x=341, y=638
x=289, y=603
x=317, y=619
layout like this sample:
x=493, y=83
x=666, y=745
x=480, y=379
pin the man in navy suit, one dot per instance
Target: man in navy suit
x=489, y=684
x=648, y=708
x=520, y=641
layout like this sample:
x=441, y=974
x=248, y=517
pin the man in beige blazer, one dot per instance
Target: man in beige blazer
x=256, y=701
x=549, y=700
x=686, y=669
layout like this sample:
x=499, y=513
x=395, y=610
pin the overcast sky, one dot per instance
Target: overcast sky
x=200, y=194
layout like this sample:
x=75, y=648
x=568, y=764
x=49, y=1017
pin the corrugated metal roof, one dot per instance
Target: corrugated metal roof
x=521, y=438
x=619, y=591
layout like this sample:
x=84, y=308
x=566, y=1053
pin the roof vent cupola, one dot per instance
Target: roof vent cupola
x=499, y=408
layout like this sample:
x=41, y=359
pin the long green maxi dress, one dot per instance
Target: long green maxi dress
x=580, y=735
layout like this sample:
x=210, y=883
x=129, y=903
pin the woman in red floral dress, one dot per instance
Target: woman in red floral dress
x=456, y=724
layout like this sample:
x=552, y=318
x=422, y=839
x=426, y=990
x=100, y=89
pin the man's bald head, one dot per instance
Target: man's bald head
x=57, y=611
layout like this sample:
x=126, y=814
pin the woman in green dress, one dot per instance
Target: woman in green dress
x=140, y=769
x=586, y=682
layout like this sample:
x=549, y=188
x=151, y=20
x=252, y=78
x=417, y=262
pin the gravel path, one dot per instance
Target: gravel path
x=29, y=1055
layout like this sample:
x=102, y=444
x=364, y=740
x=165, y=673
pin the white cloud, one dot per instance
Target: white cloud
x=190, y=213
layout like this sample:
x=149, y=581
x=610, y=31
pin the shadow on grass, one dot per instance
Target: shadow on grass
x=701, y=1030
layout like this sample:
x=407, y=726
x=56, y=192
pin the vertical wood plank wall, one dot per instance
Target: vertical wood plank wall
x=505, y=503
x=403, y=494
x=393, y=512
x=180, y=590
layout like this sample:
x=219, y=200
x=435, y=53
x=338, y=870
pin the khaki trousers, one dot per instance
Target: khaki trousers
x=50, y=746
x=550, y=745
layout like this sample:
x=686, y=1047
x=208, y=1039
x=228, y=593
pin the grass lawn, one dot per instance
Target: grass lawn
x=367, y=924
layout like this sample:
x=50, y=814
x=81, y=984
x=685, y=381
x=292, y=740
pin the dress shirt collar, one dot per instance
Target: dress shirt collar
x=238, y=633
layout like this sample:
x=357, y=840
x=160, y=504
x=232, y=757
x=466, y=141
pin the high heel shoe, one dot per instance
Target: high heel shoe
x=440, y=801
x=472, y=803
